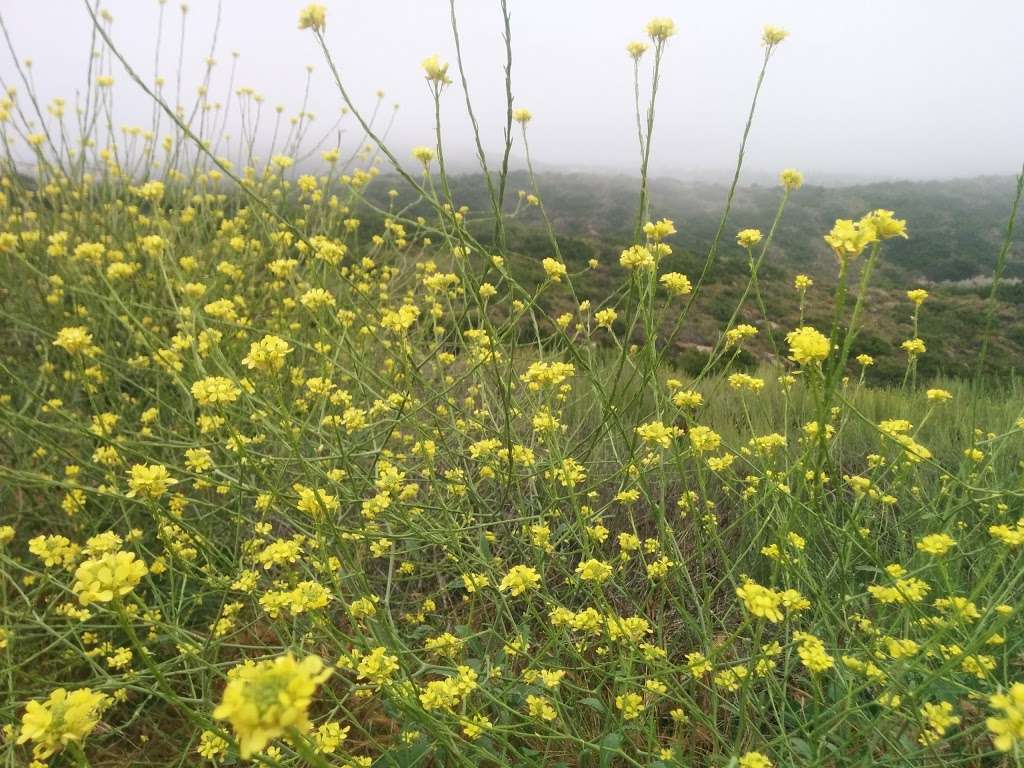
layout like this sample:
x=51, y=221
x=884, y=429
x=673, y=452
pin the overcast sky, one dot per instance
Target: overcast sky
x=873, y=89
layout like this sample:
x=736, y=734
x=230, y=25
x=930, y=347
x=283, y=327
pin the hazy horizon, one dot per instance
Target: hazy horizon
x=919, y=90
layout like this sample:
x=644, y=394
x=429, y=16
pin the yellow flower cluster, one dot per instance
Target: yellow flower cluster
x=807, y=345
x=215, y=390
x=112, y=575
x=267, y=699
x=63, y=718
x=766, y=603
x=267, y=354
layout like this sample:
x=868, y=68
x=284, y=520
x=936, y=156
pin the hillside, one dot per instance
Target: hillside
x=955, y=226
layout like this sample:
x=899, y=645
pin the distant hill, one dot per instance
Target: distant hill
x=956, y=228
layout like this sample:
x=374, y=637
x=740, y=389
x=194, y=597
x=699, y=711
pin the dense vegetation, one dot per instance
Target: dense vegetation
x=296, y=472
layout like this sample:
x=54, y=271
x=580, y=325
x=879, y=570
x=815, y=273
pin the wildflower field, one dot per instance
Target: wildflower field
x=291, y=478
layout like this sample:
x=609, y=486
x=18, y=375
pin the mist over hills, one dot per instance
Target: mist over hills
x=955, y=226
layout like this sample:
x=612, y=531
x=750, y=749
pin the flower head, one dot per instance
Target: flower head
x=215, y=390
x=114, y=574
x=522, y=116
x=423, y=154
x=61, y=719
x=519, y=579
x=1008, y=729
x=807, y=345
x=74, y=339
x=884, y=224
x=661, y=29
x=656, y=231
x=436, y=70
x=791, y=179
x=748, y=238
x=773, y=35
x=554, y=269
x=936, y=543
x=636, y=49
x=917, y=296
x=266, y=699
x=267, y=354
x=637, y=257
x=594, y=570
x=313, y=16
x=677, y=284
x=754, y=760
x=849, y=238
x=913, y=347
x=149, y=481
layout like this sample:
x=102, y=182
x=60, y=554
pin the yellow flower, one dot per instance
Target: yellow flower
x=748, y=238
x=807, y=345
x=149, y=480
x=1012, y=537
x=630, y=705
x=657, y=433
x=519, y=579
x=547, y=374
x=656, y=231
x=313, y=16
x=773, y=35
x=605, y=318
x=265, y=700
x=594, y=570
x=377, y=666
x=936, y=543
x=849, y=238
x=637, y=257
x=475, y=727
x=1008, y=729
x=211, y=746
x=812, y=652
x=687, y=398
x=676, y=283
x=754, y=760
x=661, y=29
x=736, y=335
x=437, y=71
x=704, y=439
x=745, y=381
x=884, y=225
x=329, y=736
x=939, y=718
x=73, y=339
x=101, y=579
x=918, y=295
x=555, y=270
x=760, y=601
x=522, y=116
x=541, y=708
x=60, y=720
x=423, y=154
x=267, y=354
x=636, y=49
x=939, y=395
x=791, y=179
x=53, y=550
x=215, y=390
x=913, y=347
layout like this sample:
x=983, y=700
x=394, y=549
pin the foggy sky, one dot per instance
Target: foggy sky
x=873, y=89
